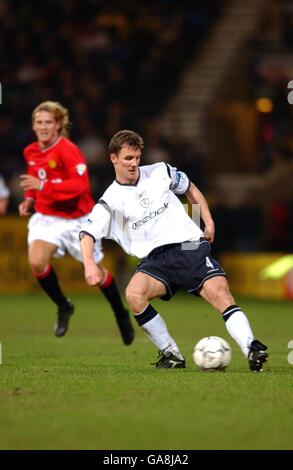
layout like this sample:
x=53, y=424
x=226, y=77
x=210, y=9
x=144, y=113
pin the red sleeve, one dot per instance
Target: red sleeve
x=75, y=181
x=31, y=193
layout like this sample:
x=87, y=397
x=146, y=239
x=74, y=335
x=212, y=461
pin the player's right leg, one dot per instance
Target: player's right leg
x=39, y=255
x=140, y=290
x=216, y=291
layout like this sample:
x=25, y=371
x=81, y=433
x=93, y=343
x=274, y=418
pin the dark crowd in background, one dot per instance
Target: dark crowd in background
x=114, y=65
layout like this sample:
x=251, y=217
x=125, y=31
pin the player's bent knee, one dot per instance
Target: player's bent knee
x=135, y=299
x=131, y=296
x=218, y=294
x=38, y=264
x=221, y=294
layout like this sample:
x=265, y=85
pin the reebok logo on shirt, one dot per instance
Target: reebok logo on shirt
x=150, y=216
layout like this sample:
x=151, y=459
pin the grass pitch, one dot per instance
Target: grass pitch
x=89, y=391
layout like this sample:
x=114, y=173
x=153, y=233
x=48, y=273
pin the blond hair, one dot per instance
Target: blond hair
x=59, y=112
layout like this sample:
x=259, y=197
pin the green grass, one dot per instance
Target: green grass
x=88, y=391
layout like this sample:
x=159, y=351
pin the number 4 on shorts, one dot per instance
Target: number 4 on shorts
x=209, y=263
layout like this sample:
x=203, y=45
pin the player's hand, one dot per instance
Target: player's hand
x=30, y=182
x=93, y=275
x=209, y=232
x=25, y=207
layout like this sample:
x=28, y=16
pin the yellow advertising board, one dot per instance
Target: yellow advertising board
x=244, y=271
x=15, y=273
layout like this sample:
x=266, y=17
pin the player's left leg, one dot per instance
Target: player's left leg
x=39, y=255
x=140, y=290
x=109, y=288
x=216, y=291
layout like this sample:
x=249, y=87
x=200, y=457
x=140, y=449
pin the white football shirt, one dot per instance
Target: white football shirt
x=146, y=215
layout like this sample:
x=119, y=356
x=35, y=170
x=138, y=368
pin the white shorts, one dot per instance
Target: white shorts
x=64, y=233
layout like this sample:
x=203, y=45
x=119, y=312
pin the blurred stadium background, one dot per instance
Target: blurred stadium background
x=205, y=82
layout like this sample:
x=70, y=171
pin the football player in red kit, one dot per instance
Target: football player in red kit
x=57, y=188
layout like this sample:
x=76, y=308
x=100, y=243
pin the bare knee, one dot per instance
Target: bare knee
x=222, y=296
x=37, y=262
x=216, y=291
x=39, y=255
x=136, y=298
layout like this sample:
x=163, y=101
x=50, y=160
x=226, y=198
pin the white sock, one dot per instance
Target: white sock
x=239, y=328
x=157, y=331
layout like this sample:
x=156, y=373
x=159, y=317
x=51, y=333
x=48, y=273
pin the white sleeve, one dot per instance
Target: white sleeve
x=179, y=181
x=98, y=223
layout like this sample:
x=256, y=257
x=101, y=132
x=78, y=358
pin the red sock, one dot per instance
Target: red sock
x=44, y=273
x=107, y=281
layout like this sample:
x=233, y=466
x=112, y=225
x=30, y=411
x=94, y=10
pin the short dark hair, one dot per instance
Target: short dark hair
x=130, y=138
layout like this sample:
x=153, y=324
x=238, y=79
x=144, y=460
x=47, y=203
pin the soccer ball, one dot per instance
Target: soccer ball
x=212, y=353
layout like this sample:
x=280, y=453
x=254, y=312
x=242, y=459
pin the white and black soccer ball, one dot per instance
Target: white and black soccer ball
x=212, y=353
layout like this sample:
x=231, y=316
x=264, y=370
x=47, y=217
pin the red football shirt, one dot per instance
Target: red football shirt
x=62, y=168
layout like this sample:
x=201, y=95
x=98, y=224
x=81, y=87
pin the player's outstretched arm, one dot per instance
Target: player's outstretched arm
x=93, y=275
x=194, y=196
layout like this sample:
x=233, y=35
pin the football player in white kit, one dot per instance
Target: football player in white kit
x=140, y=210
